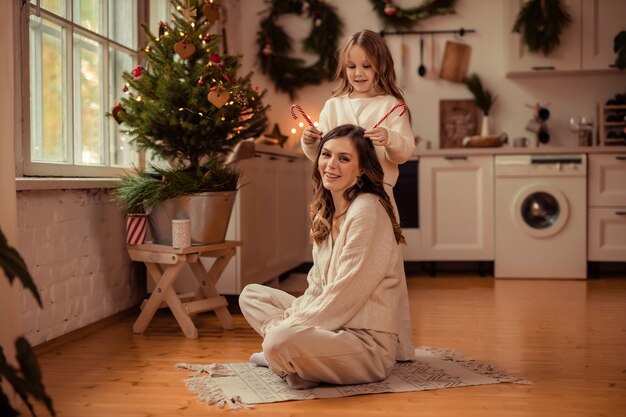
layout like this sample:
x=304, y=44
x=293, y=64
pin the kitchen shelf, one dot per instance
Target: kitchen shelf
x=605, y=127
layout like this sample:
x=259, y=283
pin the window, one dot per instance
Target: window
x=78, y=50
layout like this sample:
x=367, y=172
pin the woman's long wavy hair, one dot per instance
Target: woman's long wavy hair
x=322, y=208
x=379, y=57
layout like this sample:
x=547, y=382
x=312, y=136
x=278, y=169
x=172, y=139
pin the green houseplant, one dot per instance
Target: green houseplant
x=25, y=379
x=188, y=107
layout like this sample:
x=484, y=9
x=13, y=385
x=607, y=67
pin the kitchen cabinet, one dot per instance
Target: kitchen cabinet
x=456, y=207
x=565, y=58
x=607, y=207
x=586, y=44
x=602, y=20
x=270, y=217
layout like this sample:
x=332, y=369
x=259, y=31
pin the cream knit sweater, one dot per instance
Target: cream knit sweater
x=357, y=281
x=366, y=112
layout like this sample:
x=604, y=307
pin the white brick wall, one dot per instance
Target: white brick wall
x=73, y=242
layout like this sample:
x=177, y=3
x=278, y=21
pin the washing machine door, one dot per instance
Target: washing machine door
x=540, y=210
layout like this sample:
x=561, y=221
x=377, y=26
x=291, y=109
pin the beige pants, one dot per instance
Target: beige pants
x=346, y=356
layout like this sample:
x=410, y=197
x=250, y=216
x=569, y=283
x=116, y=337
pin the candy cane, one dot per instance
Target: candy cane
x=293, y=114
x=389, y=113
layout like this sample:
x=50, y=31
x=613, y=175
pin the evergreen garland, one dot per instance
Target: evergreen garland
x=541, y=22
x=288, y=73
x=399, y=18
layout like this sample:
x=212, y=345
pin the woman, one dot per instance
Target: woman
x=346, y=328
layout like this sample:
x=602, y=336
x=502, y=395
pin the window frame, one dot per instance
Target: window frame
x=24, y=165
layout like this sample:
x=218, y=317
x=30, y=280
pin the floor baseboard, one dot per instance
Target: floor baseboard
x=57, y=342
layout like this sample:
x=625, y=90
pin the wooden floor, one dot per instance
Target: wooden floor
x=568, y=337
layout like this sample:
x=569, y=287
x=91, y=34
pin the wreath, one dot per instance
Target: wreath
x=397, y=17
x=541, y=22
x=288, y=73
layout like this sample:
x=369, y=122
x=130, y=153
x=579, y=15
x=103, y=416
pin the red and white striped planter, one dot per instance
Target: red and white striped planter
x=136, y=225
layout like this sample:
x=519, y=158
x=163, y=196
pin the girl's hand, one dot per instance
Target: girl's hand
x=310, y=135
x=378, y=136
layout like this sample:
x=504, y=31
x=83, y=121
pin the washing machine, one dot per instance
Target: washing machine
x=541, y=216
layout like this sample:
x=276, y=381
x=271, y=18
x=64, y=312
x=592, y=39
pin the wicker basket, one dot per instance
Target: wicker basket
x=492, y=141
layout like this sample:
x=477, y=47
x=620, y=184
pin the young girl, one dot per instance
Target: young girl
x=346, y=328
x=366, y=92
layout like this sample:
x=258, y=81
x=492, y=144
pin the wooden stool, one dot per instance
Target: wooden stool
x=164, y=265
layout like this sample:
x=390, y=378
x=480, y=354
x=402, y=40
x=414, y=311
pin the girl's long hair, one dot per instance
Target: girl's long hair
x=379, y=57
x=322, y=207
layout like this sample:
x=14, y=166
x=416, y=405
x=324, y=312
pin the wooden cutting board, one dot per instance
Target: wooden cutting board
x=455, y=62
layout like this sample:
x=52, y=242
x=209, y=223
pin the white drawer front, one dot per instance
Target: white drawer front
x=607, y=234
x=607, y=180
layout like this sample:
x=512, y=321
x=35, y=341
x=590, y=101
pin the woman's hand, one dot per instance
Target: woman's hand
x=378, y=136
x=310, y=135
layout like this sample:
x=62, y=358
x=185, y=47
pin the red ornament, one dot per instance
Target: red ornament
x=215, y=59
x=390, y=9
x=227, y=77
x=125, y=88
x=200, y=81
x=116, y=113
x=267, y=50
x=137, y=71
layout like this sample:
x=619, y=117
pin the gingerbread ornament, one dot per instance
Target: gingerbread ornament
x=211, y=12
x=184, y=49
x=218, y=97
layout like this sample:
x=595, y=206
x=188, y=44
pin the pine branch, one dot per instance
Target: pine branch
x=484, y=98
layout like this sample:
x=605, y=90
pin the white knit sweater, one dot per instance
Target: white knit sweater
x=366, y=112
x=357, y=281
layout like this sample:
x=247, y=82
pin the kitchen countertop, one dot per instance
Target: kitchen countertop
x=510, y=150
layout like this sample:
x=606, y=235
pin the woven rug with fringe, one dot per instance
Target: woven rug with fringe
x=240, y=385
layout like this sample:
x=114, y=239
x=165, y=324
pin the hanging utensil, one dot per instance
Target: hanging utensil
x=422, y=68
x=432, y=73
x=404, y=64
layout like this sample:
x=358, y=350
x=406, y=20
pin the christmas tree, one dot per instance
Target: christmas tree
x=186, y=103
